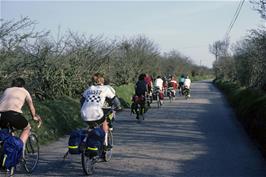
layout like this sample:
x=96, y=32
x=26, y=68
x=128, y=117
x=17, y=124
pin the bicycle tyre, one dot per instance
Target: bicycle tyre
x=108, y=154
x=87, y=163
x=170, y=97
x=31, y=153
x=158, y=101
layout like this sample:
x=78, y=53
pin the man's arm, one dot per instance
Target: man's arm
x=116, y=103
x=33, y=111
x=31, y=107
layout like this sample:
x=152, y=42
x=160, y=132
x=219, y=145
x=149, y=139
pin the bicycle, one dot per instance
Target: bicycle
x=90, y=156
x=138, y=106
x=30, y=154
x=186, y=92
x=170, y=94
x=157, y=93
x=149, y=99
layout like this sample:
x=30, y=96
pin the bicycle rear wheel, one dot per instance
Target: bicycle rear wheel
x=87, y=163
x=31, y=153
x=108, y=154
x=158, y=101
x=170, y=97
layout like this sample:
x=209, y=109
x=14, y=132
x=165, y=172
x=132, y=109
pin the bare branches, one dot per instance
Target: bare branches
x=260, y=6
x=63, y=65
x=12, y=34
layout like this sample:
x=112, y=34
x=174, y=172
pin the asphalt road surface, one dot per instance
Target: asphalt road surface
x=198, y=137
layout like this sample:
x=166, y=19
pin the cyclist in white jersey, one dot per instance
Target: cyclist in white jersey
x=93, y=101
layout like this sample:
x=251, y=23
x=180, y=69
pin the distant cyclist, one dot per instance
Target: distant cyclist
x=187, y=84
x=93, y=101
x=181, y=84
x=11, y=104
x=158, y=86
x=173, y=85
x=141, y=89
x=148, y=79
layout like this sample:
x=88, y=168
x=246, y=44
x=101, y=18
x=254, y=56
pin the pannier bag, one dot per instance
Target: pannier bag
x=138, y=99
x=161, y=96
x=75, y=141
x=94, y=141
x=12, y=152
x=4, y=135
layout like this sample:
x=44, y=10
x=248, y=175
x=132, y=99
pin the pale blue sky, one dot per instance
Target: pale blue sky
x=187, y=26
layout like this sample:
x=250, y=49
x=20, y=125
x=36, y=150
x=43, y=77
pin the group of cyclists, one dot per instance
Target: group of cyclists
x=146, y=87
x=93, y=101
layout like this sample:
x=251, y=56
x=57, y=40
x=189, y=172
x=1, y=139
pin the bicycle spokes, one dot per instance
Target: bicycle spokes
x=31, y=153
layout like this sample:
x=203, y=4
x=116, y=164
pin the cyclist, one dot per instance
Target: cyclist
x=141, y=89
x=187, y=84
x=11, y=104
x=158, y=84
x=181, y=84
x=172, y=85
x=93, y=100
x=148, y=79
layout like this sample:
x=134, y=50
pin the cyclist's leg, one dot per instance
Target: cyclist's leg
x=142, y=106
x=105, y=128
x=161, y=96
x=25, y=133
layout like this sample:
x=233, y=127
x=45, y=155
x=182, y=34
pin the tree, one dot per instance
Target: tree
x=260, y=6
x=220, y=50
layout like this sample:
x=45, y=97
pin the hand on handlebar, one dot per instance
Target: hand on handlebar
x=38, y=119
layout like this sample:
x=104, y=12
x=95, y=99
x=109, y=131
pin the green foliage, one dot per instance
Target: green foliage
x=63, y=66
x=125, y=93
x=59, y=117
x=250, y=105
x=247, y=65
x=204, y=77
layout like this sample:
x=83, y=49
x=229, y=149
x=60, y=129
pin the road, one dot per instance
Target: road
x=199, y=137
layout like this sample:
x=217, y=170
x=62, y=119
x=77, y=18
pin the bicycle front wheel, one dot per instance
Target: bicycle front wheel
x=31, y=153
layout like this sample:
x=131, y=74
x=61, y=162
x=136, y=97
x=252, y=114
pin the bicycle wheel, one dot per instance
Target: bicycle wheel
x=158, y=101
x=170, y=97
x=108, y=153
x=31, y=153
x=87, y=163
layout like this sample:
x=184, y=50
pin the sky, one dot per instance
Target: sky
x=186, y=26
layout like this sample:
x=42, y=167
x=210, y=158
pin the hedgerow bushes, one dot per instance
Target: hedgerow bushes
x=250, y=106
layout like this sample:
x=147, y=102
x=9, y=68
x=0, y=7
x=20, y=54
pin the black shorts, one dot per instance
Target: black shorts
x=95, y=123
x=100, y=121
x=13, y=119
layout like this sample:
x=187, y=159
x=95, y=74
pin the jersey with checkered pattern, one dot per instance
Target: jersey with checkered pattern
x=95, y=97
